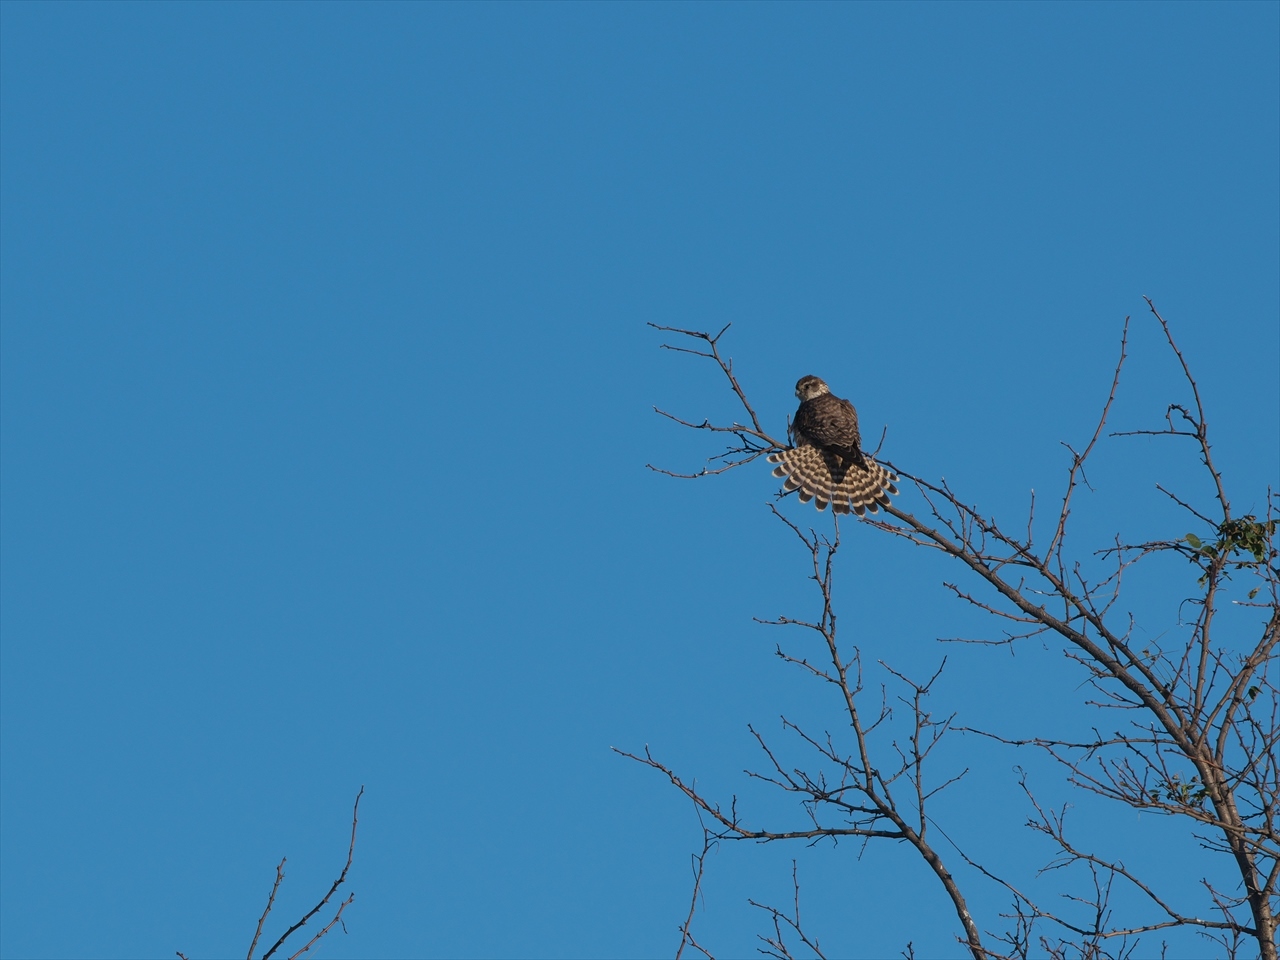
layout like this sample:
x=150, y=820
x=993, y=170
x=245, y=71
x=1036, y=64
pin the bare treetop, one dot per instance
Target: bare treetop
x=1190, y=728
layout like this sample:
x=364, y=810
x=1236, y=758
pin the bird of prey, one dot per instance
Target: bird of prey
x=827, y=464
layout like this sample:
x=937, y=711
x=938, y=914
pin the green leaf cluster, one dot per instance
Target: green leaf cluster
x=1246, y=535
x=1189, y=793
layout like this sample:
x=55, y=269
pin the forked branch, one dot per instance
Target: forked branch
x=275, y=888
x=342, y=878
x=753, y=441
x=1202, y=718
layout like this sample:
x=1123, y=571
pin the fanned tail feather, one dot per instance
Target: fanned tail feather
x=808, y=471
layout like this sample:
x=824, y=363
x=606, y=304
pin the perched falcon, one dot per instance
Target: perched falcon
x=827, y=464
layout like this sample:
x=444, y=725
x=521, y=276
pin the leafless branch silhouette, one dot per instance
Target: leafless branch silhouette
x=775, y=946
x=1199, y=722
x=275, y=888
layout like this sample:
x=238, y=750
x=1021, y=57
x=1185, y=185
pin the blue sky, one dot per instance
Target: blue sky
x=327, y=401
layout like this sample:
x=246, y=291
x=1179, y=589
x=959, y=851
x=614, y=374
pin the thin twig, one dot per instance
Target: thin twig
x=270, y=901
x=351, y=850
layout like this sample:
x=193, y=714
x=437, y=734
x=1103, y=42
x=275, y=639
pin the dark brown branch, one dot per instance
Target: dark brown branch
x=1078, y=459
x=699, y=864
x=1186, y=506
x=337, y=918
x=753, y=441
x=1202, y=425
x=351, y=850
x=270, y=902
x=1207, y=749
x=776, y=945
x=725, y=366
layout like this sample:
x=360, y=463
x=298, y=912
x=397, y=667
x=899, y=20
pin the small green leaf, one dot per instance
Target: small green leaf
x=1254, y=592
x=1193, y=540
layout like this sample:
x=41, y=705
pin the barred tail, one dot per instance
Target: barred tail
x=806, y=470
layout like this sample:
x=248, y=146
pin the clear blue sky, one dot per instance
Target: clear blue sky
x=327, y=398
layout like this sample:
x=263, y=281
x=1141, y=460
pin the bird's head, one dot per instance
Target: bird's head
x=809, y=387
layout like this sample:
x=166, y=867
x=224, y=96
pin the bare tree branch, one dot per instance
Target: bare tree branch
x=342, y=877
x=699, y=865
x=270, y=902
x=1200, y=731
x=776, y=945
